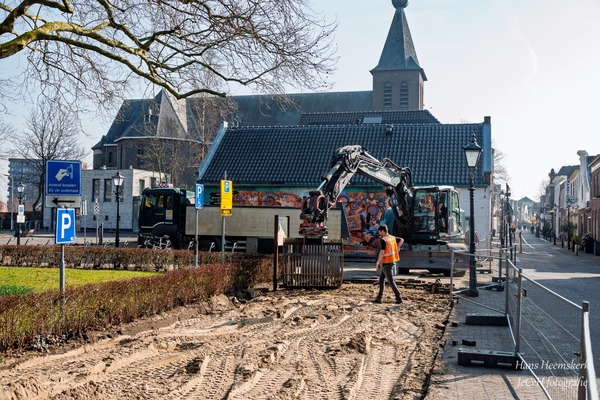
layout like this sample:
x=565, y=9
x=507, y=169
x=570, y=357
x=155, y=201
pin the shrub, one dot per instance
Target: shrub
x=122, y=258
x=29, y=320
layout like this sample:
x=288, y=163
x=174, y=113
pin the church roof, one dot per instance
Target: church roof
x=368, y=117
x=142, y=118
x=300, y=155
x=264, y=110
x=399, y=50
x=128, y=121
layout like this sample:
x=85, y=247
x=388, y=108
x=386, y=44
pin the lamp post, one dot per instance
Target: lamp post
x=552, y=202
x=118, y=182
x=20, y=189
x=472, y=153
x=568, y=223
x=555, y=223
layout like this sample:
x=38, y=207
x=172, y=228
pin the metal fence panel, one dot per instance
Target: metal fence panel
x=312, y=263
x=548, y=330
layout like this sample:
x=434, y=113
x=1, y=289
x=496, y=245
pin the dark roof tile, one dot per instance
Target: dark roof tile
x=368, y=117
x=300, y=155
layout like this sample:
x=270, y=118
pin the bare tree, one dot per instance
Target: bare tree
x=170, y=158
x=500, y=172
x=51, y=134
x=209, y=113
x=94, y=49
x=5, y=132
x=543, y=189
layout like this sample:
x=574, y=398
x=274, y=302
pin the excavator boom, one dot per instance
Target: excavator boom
x=348, y=161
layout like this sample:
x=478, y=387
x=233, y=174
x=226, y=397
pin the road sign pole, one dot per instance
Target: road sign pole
x=62, y=280
x=199, y=205
x=223, y=222
x=222, y=240
x=97, y=216
x=196, y=241
x=62, y=270
x=84, y=216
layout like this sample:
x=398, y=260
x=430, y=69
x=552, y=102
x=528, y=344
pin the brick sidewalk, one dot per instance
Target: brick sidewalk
x=452, y=381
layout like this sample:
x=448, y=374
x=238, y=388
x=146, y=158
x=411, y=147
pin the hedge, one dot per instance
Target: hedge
x=36, y=319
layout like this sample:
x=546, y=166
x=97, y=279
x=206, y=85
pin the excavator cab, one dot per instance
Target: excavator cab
x=436, y=214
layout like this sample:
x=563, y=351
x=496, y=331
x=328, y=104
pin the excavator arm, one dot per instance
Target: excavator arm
x=348, y=161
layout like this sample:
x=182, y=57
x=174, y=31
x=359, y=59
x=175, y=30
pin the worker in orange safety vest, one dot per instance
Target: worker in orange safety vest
x=389, y=254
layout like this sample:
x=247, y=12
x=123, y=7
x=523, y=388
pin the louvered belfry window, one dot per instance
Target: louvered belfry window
x=404, y=95
x=387, y=95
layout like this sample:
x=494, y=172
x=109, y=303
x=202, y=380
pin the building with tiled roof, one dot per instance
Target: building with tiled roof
x=275, y=154
x=300, y=155
x=146, y=134
x=276, y=148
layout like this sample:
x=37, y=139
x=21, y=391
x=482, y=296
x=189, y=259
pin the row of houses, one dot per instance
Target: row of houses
x=570, y=206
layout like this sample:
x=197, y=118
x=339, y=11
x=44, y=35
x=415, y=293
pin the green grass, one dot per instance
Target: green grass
x=17, y=280
x=8, y=290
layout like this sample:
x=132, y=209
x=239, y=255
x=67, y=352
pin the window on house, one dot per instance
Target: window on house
x=95, y=189
x=108, y=190
x=139, y=158
x=153, y=181
x=110, y=158
x=142, y=185
x=404, y=96
x=387, y=95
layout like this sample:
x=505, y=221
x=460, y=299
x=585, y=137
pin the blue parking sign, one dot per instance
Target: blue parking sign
x=65, y=226
x=199, y=196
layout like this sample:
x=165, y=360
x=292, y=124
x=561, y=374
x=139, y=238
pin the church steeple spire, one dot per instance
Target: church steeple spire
x=398, y=78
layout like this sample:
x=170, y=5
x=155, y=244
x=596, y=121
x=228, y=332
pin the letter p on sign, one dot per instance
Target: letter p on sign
x=65, y=226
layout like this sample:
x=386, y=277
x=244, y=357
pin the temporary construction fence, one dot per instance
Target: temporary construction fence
x=307, y=262
x=551, y=334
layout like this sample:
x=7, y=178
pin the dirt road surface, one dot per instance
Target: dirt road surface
x=289, y=344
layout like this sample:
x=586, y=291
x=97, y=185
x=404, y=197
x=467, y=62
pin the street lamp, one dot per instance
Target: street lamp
x=569, y=222
x=118, y=182
x=552, y=201
x=20, y=189
x=472, y=153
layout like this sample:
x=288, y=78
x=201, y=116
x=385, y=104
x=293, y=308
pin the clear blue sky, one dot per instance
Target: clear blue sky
x=533, y=66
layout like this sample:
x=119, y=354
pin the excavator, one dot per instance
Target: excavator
x=429, y=218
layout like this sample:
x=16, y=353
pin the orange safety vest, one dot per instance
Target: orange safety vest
x=392, y=253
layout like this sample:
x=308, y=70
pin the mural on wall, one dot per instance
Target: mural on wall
x=363, y=213
x=272, y=199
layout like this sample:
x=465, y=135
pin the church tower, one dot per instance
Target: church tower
x=398, y=79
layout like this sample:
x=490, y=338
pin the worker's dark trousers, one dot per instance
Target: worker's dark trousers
x=386, y=273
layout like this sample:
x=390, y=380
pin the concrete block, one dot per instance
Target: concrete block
x=485, y=319
x=488, y=358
